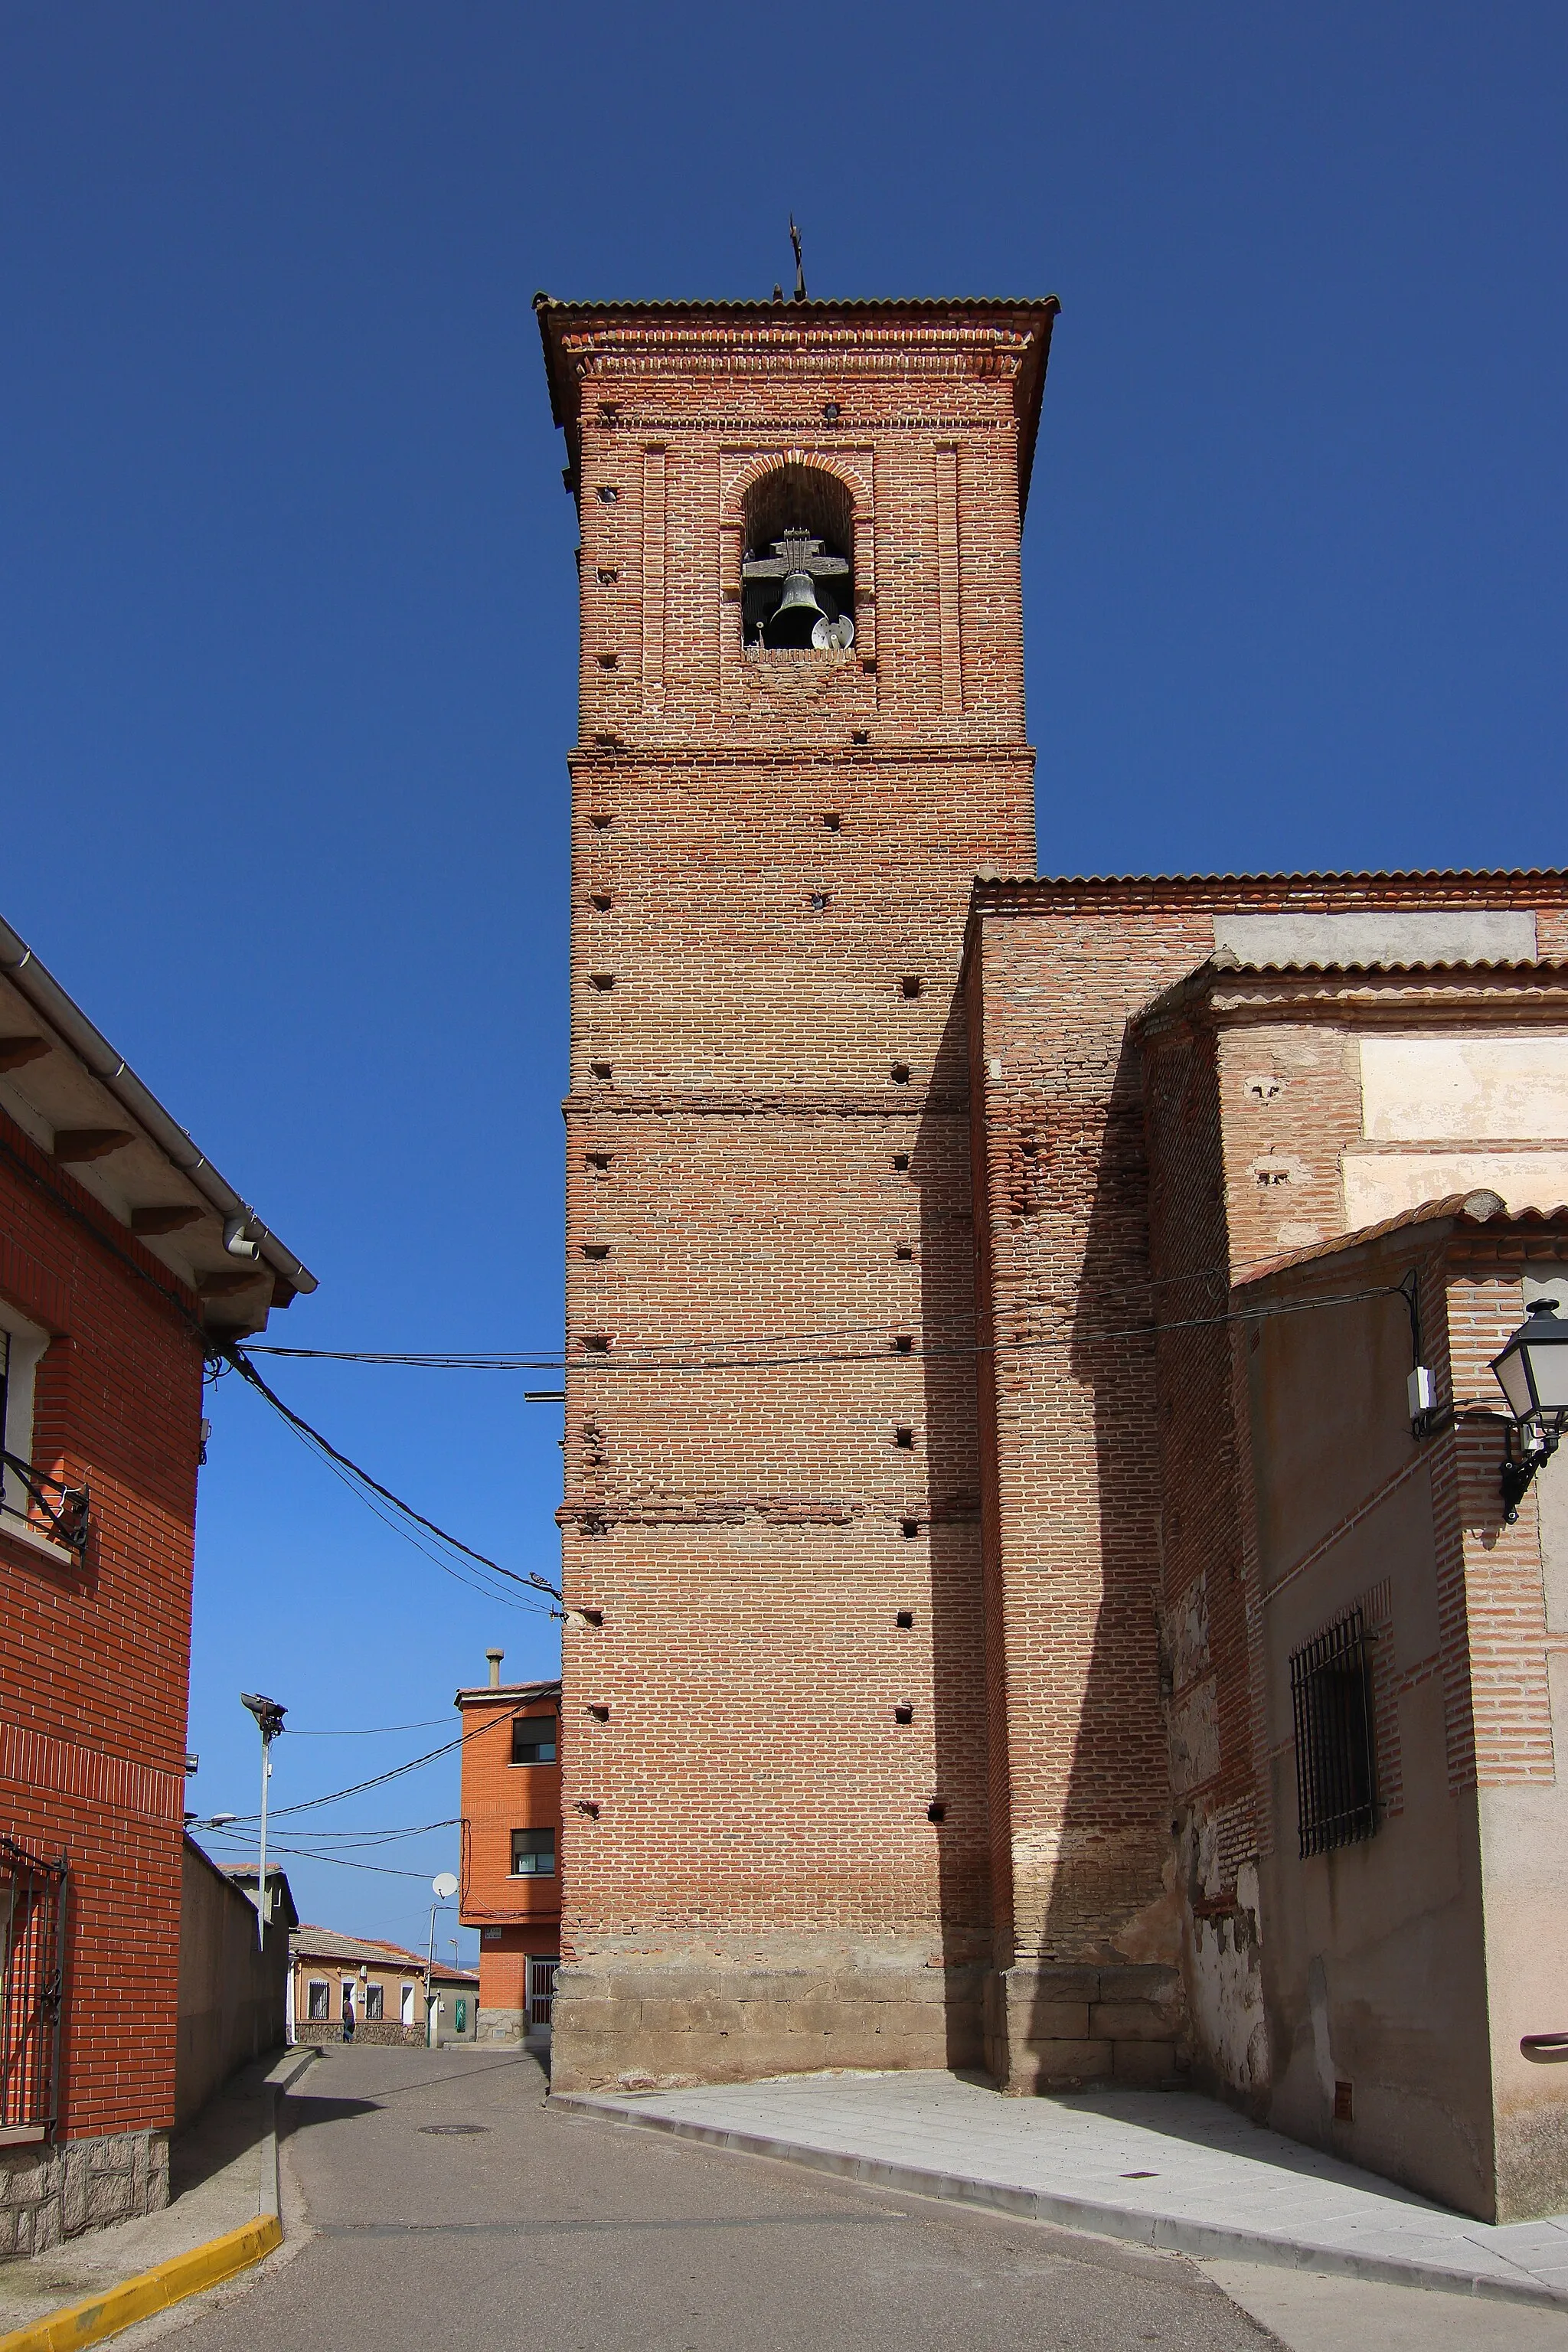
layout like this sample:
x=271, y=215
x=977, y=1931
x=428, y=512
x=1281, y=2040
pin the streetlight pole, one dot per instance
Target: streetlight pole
x=443, y=1887
x=270, y=1723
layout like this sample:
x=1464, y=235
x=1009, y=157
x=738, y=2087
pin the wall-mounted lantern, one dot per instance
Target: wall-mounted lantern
x=1532, y=1373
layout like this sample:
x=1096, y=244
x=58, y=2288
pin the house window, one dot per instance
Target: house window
x=534, y=1739
x=534, y=1853
x=405, y=2005
x=797, y=576
x=21, y=1345
x=319, y=2000
x=373, y=2008
x=1330, y=1699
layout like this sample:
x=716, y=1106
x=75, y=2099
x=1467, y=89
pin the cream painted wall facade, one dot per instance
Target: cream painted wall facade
x=1483, y=1089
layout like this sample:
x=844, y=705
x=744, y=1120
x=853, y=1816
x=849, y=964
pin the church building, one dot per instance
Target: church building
x=1041, y=1591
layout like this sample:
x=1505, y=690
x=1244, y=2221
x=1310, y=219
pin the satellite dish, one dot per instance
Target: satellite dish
x=444, y=1887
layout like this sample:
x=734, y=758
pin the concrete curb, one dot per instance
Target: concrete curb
x=1167, y=2233
x=269, y=2198
x=189, y=2273
x=152, y=2291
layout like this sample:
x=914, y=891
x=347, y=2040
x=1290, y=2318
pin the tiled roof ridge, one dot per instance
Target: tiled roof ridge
x=1338, y=876
x=1479, y=1206
x=1224, y=962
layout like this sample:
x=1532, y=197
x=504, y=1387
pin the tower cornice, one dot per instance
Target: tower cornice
x=966, y=336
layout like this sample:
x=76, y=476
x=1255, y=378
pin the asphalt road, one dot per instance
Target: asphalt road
x=446, y=2209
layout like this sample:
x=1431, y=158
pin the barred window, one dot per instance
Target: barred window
x=374, y=2005
x=319, y=1998
x=1331, y=1697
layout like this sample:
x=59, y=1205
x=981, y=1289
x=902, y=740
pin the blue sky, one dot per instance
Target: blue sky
x=289, y=625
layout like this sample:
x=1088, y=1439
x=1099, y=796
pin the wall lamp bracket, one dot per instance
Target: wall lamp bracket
x=1530, y=1447
x=1532, y=1373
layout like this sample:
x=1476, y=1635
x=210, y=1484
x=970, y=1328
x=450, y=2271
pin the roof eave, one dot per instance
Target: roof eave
x=61, y=1013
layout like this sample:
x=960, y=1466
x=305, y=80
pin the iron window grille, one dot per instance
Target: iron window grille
x=319, y=1997
x=32, y=1984
x=1331, y=1697
x=63, y=1508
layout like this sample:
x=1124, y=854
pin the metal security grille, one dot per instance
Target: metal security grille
x=32, y=1959
x=541, y=1991
x=1330, y=1697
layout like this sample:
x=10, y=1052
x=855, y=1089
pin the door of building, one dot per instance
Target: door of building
x=541, y=1992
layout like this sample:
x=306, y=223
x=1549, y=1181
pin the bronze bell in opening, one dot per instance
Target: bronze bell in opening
x=797, y=614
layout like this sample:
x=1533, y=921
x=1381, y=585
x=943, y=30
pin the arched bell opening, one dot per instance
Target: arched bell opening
x=797, y=573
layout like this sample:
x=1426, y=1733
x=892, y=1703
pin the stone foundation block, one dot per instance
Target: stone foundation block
x=1129, y=2021
x=1150, y=2065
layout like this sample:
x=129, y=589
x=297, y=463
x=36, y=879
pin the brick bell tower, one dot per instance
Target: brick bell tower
x=802, y=734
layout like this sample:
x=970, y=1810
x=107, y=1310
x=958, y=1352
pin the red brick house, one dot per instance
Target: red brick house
x=124, y=1258
x=927, y=1696
x=509, y=1888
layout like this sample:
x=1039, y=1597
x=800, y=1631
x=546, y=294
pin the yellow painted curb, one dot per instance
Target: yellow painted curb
x=154, y=2290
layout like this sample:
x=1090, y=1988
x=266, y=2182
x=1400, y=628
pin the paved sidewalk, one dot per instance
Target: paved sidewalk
x=1163, y=2168
x=222, y=2174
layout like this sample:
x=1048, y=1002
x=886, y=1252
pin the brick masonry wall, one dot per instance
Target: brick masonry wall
x=766, y=1864
x=1120, y=1619
x=94, y=1657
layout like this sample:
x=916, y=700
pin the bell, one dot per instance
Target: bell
x=797, y=614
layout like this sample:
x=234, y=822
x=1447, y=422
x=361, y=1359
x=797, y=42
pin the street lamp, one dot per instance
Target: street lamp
x=1532, y=1373
x=270, y=1723
x=443, y=1887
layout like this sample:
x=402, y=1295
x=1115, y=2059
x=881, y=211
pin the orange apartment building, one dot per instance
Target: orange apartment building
x=511, y=1882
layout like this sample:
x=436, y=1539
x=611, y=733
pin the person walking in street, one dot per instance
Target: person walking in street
x=348, y=2014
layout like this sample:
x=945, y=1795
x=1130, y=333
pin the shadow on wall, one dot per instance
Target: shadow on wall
x=1103, y=1902
x=944, y=1544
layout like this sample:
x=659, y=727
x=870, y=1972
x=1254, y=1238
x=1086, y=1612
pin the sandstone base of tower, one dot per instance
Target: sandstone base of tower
x=1049, y=2027
x=666, y=2016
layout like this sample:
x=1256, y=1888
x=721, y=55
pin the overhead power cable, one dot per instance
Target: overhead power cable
x=811, y=1348
x=248, y=1371
x=379, y=1780
x=369, y=1730
x=342, y=1862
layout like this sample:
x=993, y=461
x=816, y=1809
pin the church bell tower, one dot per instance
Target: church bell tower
x=801, y=735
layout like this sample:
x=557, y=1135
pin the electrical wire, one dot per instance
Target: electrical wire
x=361, y=1477
x=379, y=1780
x=382, y=1869
x=369, y=1730
x=652, y=1355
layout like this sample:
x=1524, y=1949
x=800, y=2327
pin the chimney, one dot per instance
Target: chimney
x=495, y=1657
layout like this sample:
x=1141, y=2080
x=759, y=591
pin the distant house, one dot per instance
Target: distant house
x=125, y=1261
x=382, y=1985
x=510, y=1888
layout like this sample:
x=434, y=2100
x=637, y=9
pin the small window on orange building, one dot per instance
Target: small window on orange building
x=373, y=2002
x=320, y=1997
x=534, y=1739
x=534, y=1853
